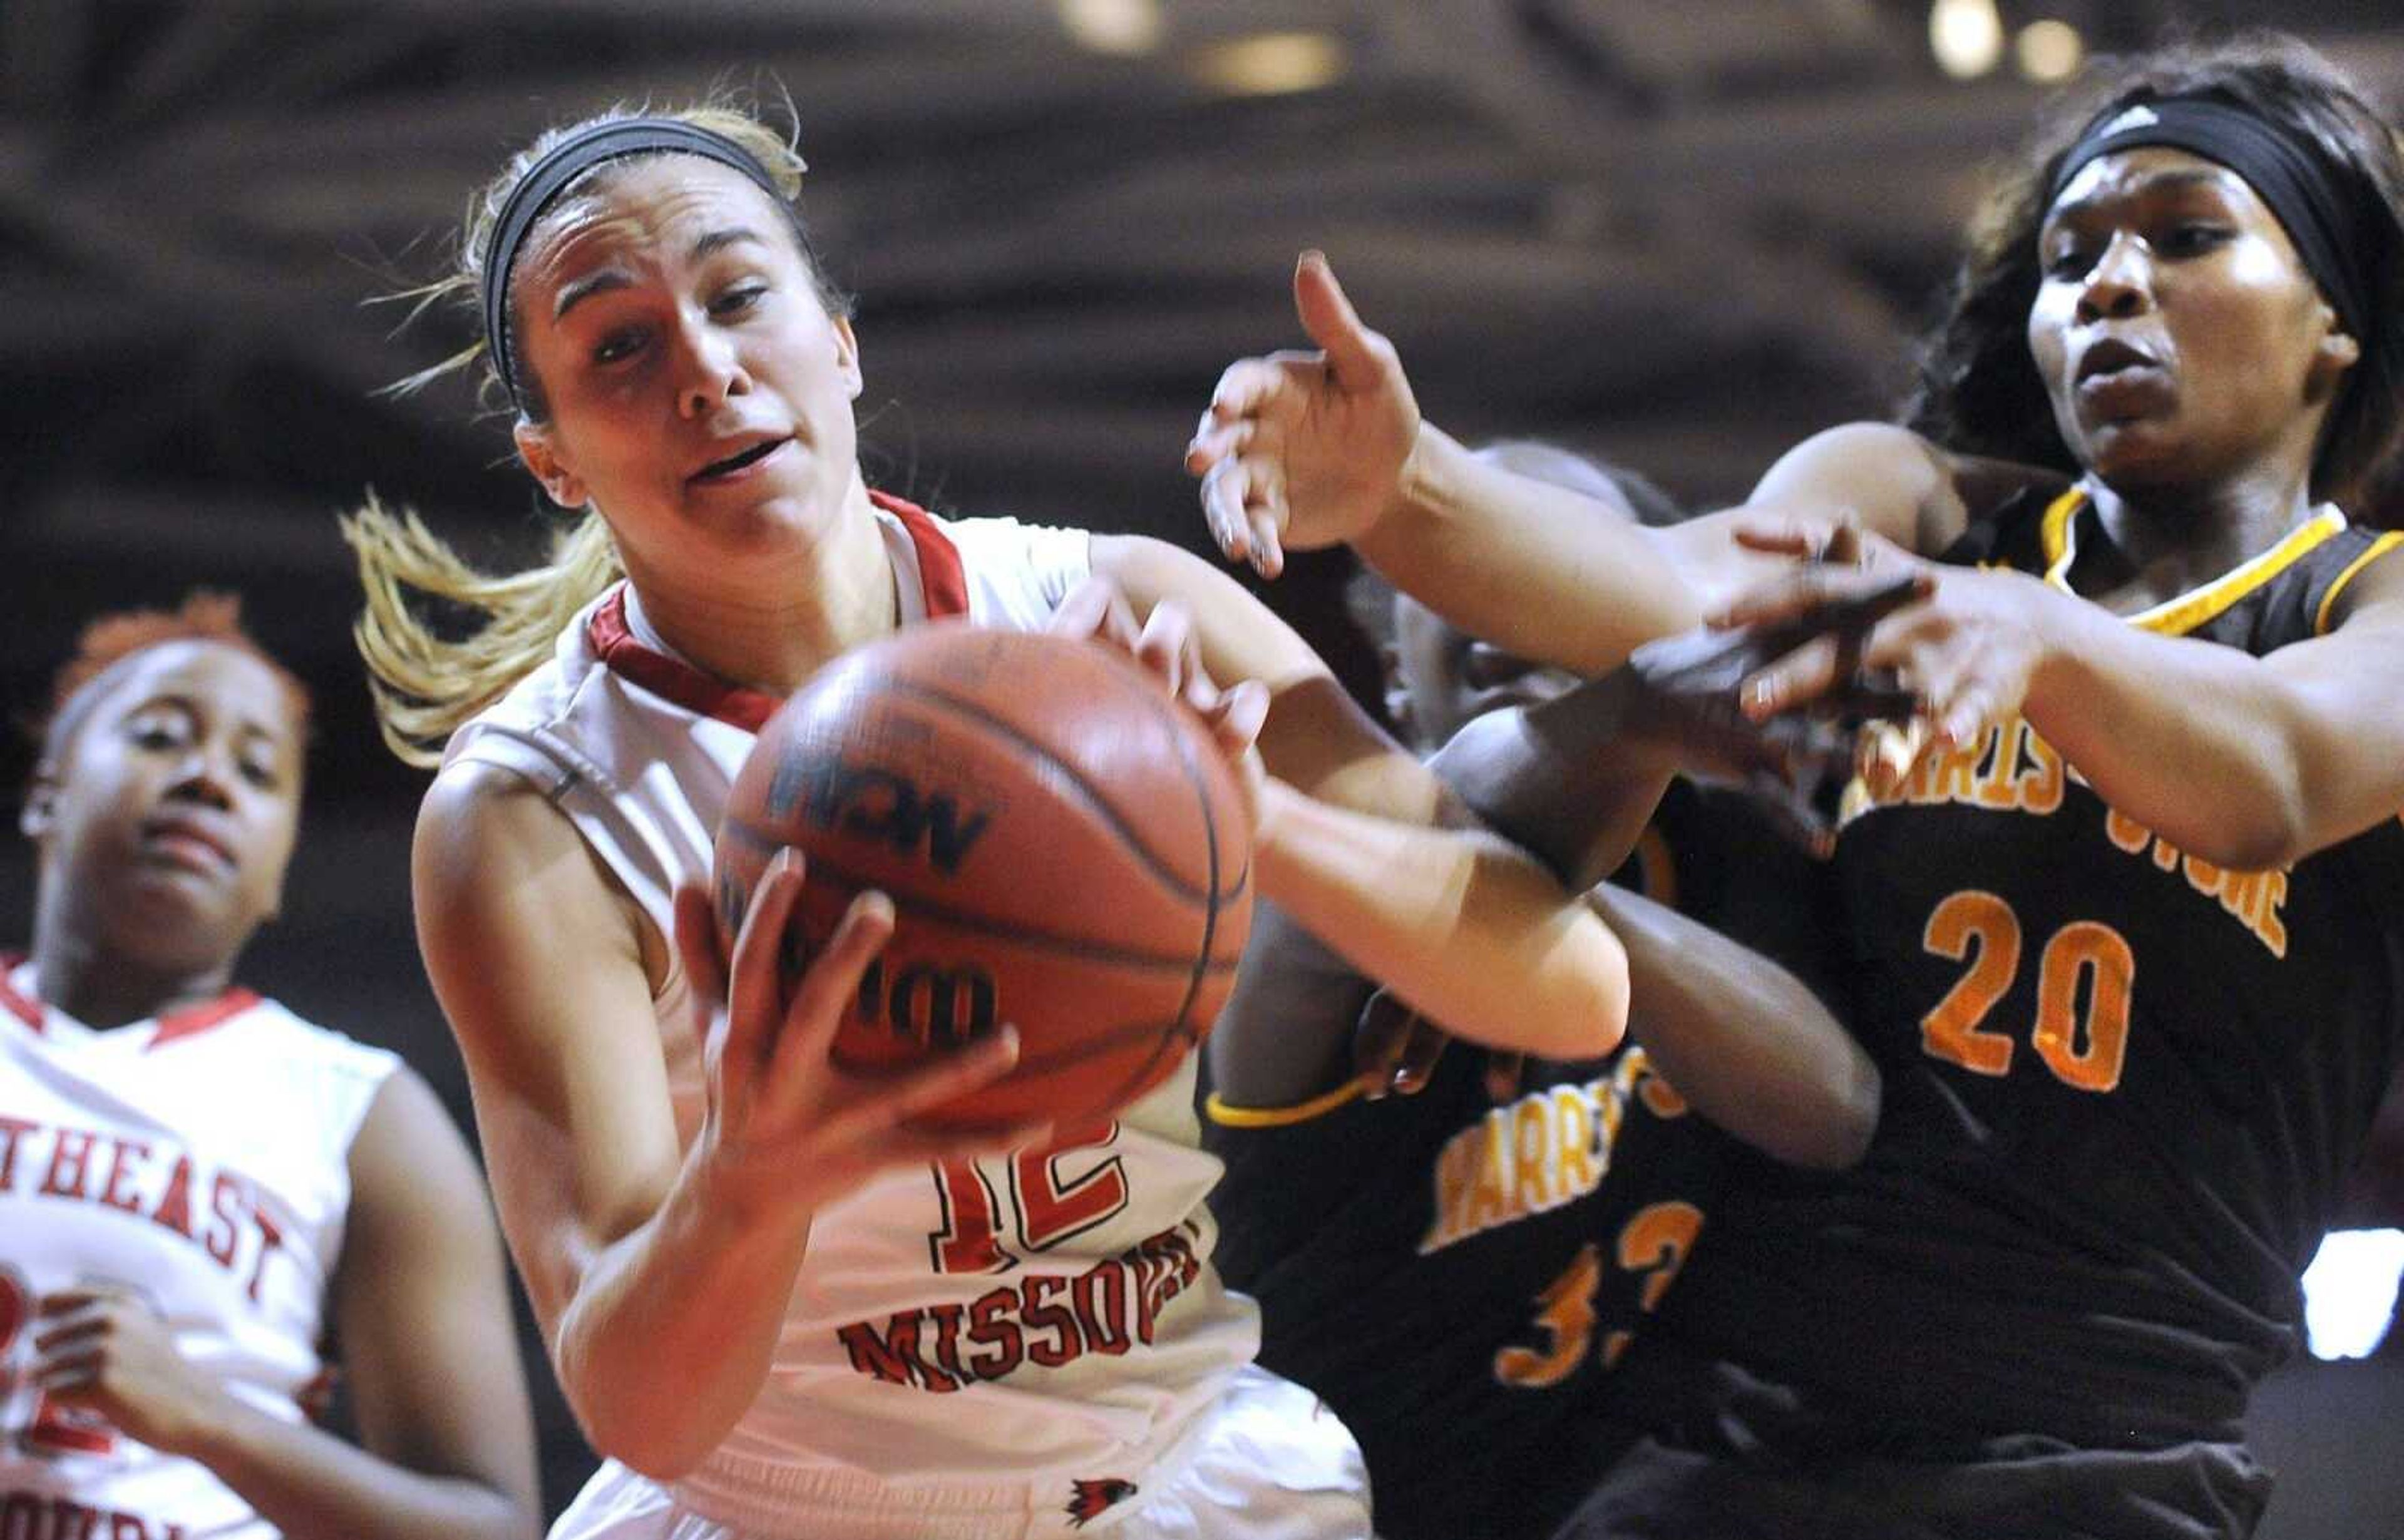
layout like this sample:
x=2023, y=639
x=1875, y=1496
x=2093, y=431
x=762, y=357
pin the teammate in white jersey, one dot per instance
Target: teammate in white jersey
x=198, y=1189
x=789, y=1307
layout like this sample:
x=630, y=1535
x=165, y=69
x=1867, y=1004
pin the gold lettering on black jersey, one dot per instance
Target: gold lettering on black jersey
x=2008, y=768
x=2253, y=899
x=1549, y=1147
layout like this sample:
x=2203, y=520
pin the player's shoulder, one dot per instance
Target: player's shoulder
x=2360, y=571
x=1017, y=572
x=475, y=808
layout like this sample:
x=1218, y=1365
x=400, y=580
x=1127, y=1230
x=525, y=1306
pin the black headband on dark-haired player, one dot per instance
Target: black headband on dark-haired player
x=2286, y=170
x=558, y=168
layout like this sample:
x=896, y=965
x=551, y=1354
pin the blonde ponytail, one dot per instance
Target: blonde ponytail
x=426, y=685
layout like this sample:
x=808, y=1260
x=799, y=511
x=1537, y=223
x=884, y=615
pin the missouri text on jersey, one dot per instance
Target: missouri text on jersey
x=1047, y=1319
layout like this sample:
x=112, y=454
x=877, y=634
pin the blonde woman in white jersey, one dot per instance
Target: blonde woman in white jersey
x=197, y=1187
x=779, y=1305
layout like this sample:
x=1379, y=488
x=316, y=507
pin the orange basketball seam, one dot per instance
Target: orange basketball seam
x=1053, y=941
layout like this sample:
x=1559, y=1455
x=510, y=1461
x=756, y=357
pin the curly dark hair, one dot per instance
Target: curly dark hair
x=1978, y=391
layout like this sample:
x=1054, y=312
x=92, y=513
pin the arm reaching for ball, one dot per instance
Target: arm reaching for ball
x=660, y=1275
x=1357, y=840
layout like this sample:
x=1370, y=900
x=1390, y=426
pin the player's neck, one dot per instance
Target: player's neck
x=103, y=988
x=774, y=626
x=2176, y=539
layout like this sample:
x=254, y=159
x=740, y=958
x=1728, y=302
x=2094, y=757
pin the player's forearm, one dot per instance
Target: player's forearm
x=2234, y=759
x=670, y=1335
x=1465, y=927
x=309, y=1485
x=1532, y=568
x=1564, y=780
x=1745, y=1041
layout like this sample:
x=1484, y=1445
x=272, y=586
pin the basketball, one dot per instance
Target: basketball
x=1065, y=846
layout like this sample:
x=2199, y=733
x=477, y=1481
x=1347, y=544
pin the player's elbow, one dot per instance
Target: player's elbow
x=648, y=1446
x=2274, y=834
x=633, y=1413
x=1838, y=1134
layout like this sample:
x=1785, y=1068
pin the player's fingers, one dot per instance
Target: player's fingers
x=1960, y=716
x=72, y=1377
x=754, y=982
x=1877, y=694
x=1237, y=719
x=1215, y=441
x=85, y=1325
x=832, y=981
x=894, y=1102
x=1168, y=652
x=1265, y=524
x=1248, y=387
x=1379, y=1040
x=1796, y=680
x=1843, y=545
x=1224, y=489
x=1079, y=614
x=1825, y=598
x=1806, y=536
x=696, y=924
x=1886, y=752
x=1356, y=357
x=1422, y=1049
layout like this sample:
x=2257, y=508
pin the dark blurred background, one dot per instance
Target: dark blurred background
x=1682, y=235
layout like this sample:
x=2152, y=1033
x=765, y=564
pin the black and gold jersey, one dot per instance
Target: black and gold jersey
x=1462, y=1281
x=2124, y=1087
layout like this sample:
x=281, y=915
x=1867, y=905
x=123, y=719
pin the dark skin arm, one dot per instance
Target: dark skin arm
x=1573, y=780
x=424, y=1315
x=1301, y=450
x=1744, y=1041
x=2247, y=761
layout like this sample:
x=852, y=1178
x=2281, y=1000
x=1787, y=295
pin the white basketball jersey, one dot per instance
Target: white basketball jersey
x=1049, y=1318
x=201, y=1161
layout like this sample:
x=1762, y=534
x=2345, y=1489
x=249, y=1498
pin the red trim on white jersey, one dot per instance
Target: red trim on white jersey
x=940, y=577
x=26, y=1011
x=172, y=1027
x=942, y=581
x=200, y=1018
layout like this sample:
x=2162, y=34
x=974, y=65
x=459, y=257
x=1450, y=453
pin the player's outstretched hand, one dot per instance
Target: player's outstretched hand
x=103, y=1352
x=784, y=1120
x=1300, y=449
x=1697, y=695
x=1165, y=645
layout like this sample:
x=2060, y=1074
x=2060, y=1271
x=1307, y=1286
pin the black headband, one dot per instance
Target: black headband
x=560, y=166
x=2286, y=170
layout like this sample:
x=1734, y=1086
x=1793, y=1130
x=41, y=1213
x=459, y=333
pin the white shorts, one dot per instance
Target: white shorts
x=1267, y=1461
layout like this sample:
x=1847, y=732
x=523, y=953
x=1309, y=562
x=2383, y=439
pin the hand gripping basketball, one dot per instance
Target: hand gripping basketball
x=1164, y=645
x=785, y=1121
x=1052, y=840
x=1302, y=449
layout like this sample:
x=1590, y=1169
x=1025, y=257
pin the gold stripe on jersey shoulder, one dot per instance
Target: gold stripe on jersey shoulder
x=2061, y=540
x=2175, y=617
x=2378, y=547
x=1228, y=1115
